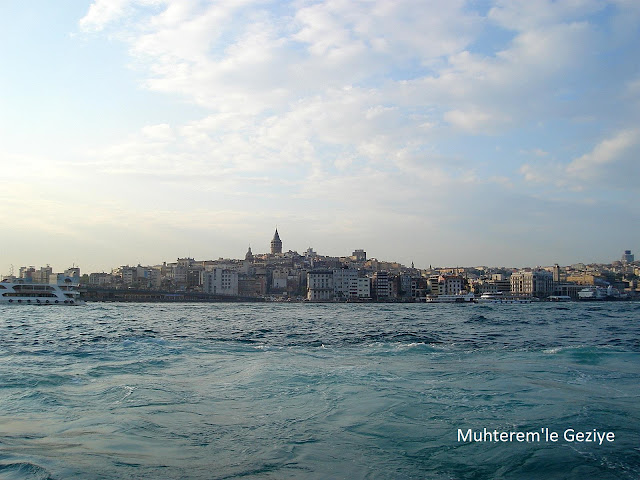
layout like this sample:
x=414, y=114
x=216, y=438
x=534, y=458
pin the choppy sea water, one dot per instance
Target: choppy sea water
x=252, y=391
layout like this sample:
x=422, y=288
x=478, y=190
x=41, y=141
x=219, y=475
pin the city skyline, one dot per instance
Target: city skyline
x=441, y=133
x=271, y=255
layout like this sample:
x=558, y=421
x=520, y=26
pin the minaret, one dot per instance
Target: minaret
x=276, y=243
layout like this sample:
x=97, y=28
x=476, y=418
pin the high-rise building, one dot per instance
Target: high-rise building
x=276, y=243
x=627, y=257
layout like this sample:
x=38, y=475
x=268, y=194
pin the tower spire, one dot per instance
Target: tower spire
x=276, y=243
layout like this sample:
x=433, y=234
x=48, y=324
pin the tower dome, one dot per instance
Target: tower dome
x=249, y=256
x=276, y=243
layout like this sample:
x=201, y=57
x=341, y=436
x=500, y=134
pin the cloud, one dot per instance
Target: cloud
x=613, y=160
x=611, y=164
x=103, y=12
x=472, y=120
x=492, y=94
x=408, y=113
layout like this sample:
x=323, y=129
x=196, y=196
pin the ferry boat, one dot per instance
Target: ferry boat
x=601, y=293
x=498, y=297
x=560, y=298
x=452, y=298
x=39, y=294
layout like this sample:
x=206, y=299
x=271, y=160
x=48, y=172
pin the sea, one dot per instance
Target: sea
x=320, y=391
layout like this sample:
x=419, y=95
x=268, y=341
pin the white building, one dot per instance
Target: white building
x=345, y=283
x=453, y=284
x=537, y=283
x=279, y=279
x=100, y=279
x=364, y=288
x=220, y=281
x=320, y=285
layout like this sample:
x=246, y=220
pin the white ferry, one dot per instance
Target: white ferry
x=600, y=293
x=461, y=297
x=498, y=297
x=560, y=298
x=39, y=294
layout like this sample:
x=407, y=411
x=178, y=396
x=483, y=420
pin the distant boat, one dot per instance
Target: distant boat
x=498, y=297
x=600, y=293
x=559, y=298
x=39, y=294
x=461, y=297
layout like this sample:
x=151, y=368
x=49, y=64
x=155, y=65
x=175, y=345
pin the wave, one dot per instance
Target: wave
x=24, y=471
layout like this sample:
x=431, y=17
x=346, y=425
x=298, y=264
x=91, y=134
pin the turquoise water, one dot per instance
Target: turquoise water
x=317, y=391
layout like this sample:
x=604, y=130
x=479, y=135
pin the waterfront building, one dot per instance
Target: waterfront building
x=363, y=288
x=279, y=279
x=129, y=274
x=419, y=287
x=567, y=290
x=380, y=285
x=252, y=286
x=320, y=285
x=452, y=284
x=538, y=283
x=406, y=285
x=345, y=283
x=433, y=283
x=497, y=283
x=220, y=281
x=99, y=279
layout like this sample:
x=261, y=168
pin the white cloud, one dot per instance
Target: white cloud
x=480, y=93
x=472, y=120
x=308, y=101
x=102, y=12
x=161, y=132
x=614, y=161
x=611, y=164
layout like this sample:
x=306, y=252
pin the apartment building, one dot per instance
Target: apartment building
x=220, y=281
x=320, y=285
x=537, y=283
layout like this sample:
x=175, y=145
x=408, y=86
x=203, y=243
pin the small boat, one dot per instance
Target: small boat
x=39, y=294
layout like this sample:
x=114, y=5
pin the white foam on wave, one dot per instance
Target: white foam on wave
x=553, y=350
x=128, y=390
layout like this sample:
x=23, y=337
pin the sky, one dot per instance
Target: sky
x=439, y=132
